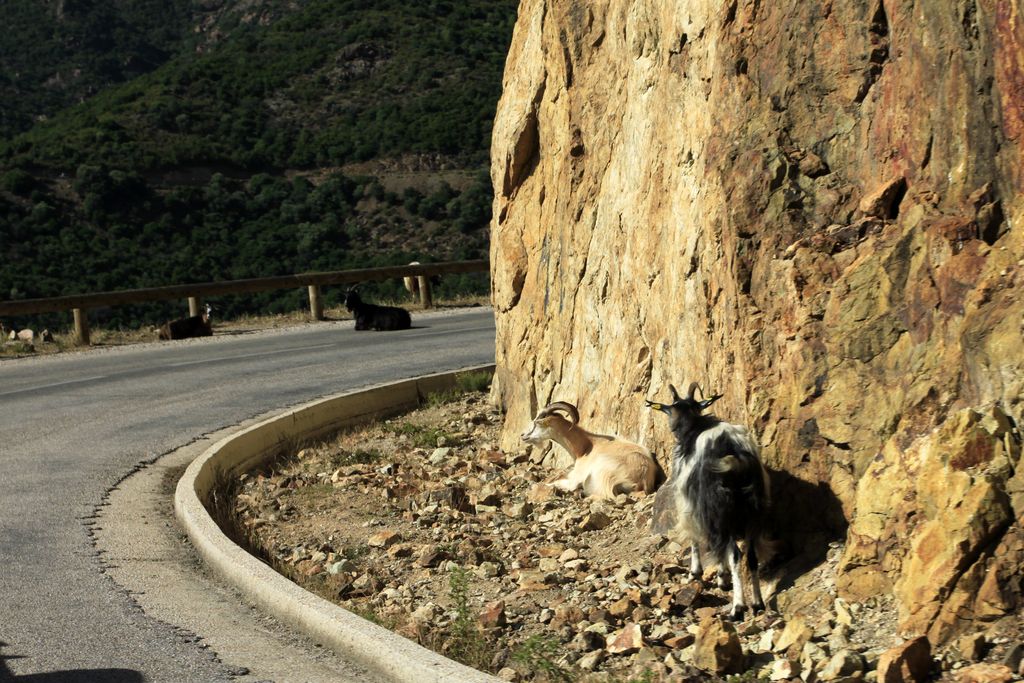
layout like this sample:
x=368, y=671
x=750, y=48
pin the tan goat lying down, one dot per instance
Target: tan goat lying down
x=604, y=465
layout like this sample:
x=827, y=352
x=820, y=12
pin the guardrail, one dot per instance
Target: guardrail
x=80, y=304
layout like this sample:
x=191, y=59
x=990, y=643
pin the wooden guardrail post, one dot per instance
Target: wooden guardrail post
x=193, y=305
x=316, y=304
x=81, y=326
x=426, y=296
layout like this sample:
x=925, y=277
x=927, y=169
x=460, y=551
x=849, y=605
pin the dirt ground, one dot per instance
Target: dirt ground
x=419, y=523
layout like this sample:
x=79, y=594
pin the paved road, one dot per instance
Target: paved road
x=72, y=427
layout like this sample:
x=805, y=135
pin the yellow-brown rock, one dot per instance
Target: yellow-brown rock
x=909, y=662
x=812, y=208
x=927, y=516
x=717, y=648
x=984, y=673
x=794, y=636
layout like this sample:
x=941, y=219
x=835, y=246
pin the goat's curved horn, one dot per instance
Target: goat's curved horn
x=675, y=394
x=694, y=386
x=568, y=408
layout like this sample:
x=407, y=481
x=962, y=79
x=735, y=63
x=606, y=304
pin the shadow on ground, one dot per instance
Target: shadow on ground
x=69, y=676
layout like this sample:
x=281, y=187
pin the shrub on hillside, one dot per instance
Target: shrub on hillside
x=17, y=182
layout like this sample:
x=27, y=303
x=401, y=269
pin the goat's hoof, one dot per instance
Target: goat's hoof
x=758, y=608
x=721, y=582
x=736, y=613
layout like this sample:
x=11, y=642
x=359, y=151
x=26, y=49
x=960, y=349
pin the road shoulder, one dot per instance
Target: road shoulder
x=143, y=550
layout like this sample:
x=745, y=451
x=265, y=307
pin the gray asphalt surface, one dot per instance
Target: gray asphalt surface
x=73, y=426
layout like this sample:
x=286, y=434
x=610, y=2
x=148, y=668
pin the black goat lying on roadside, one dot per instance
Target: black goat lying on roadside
x=373, y=317
x=192, y=326
x=717, y=495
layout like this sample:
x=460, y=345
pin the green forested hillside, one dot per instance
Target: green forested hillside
x=317, y=135
x=55, y=54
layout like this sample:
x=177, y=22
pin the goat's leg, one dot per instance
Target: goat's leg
x=722, y=562
x=696, y=568
x=755, y=575
x=738, y=603
x=590, y=488
x=569, y=482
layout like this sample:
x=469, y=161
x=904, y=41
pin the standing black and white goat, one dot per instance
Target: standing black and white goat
x=717, y=495
x=373, y=317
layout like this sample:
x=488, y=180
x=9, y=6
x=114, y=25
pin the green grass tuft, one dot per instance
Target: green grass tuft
x=421, y=436
x=541, y=653
x=360, y=456
x=477, y=381
x=466, y=643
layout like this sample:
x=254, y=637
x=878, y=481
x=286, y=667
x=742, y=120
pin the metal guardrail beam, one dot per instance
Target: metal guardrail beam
x=208, y=289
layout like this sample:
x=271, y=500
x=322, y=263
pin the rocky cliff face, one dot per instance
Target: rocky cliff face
x=814, y=208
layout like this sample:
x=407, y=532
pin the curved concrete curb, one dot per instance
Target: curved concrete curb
x=392, y=656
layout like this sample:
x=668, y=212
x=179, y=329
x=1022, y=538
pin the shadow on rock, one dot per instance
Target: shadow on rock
x=805, y=518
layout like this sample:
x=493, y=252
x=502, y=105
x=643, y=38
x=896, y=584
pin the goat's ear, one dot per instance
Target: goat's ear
x=708, y=401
